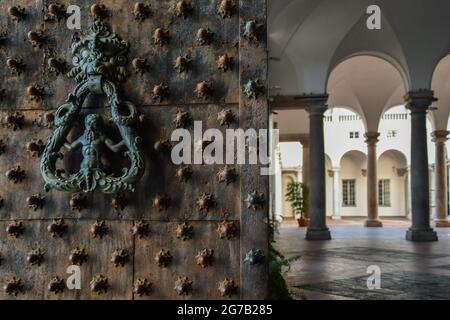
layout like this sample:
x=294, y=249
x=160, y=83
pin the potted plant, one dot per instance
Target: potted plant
x=297, y=194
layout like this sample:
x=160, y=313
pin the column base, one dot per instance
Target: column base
x=373, y=224
x=336, y=218
x=441, y=223
x=318, y=234
x=421, y=235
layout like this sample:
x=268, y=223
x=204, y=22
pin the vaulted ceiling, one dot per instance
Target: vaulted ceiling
x=367, y=84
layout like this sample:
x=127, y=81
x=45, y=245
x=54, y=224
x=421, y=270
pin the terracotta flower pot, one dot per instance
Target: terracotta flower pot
x=302, y=222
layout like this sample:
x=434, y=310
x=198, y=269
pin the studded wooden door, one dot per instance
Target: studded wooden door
x=187, y=231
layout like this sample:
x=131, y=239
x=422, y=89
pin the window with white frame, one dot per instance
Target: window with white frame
x=348, y=193
x=384, y=193
x=391, y=134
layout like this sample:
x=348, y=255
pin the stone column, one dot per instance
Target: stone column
x=305, y=161
x=317, y=229
x=432, y=176
x=440, y=189
x=305, y=167
x=372, y=181
x=408, y=191
x=336, y=194
x=448, y=178
x=278, y=185
x=418, y=103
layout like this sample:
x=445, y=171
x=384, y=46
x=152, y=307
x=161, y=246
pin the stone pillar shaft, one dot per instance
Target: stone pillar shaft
x=441, y=200
x=418, y=102
x=408, y=186
x=372, y=181
x=305, y=167
x=305, y=162
x=336, y=194
x=317, y=229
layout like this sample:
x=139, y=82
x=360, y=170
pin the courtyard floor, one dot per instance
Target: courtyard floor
x=337, y=269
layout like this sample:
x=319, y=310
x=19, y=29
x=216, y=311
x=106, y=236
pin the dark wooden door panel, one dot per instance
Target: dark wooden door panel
x=184, y=253
x=35, y=279
x=17, y=48
x=163, y=200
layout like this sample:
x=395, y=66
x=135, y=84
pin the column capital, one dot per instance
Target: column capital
x=314, y=104
x=336, y=169
x=440, y=136
x=372, y=138
x=401, y=172
x=308, y=100
x=316, y=110
x=419, y=100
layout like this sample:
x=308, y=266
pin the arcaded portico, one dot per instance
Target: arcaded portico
x=324, y=57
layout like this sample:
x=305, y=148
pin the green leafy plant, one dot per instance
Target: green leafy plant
x=278, y=288
x=297, y=194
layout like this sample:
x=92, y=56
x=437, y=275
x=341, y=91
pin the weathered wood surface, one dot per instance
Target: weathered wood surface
x=56, y=259
x=254, y=114
x=249, y=61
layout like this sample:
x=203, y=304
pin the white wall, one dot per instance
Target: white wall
x=387, y=169
x=328, y=187
x=291, y=154
x=401, y=126
x=277, y=194
x=337, y=141
x=351, y=168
